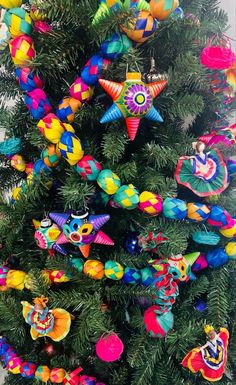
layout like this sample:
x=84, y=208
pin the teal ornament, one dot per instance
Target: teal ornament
x=147, y=276
x=174, y=208
x=113, y=270
x=108, y=181
x=116, y=46
x=158, y=325
x=131, y=276
x=78, y=264
x=10, y=146
x=127, y=197
x=206, y=237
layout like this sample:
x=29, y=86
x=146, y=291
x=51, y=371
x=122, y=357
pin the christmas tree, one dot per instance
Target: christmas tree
x=101, y=219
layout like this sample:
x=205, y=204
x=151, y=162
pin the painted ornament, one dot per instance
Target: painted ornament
x=46, y=235
x=132, y=100
x=81, y=229
x=161, y=9
x=180, y=266
x=109, y=348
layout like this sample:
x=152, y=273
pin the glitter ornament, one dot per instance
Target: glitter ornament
x=37, y=103
x=132, y=100
x=70, y=148
x=174, y=208
x=197, y=212
x=158, y=325
x=10, y=3
x=28, y=370
x=18, y=163
x=116, y=46
x=150, y=203
x=108, y=181
x=93, y=69
x=127, y=197
x=57, y=375
x=113, y=270
x=141, y=27
x=88, y=168
x=81, y=91
x=131, y=276
x=94, y=269
x=161, y=9
x=51, y=156
x=67, y=109
x=109, y=348
x=28, y=79
x=42, y=373
x=22, y=50
x=51, y=127
x=18, y=22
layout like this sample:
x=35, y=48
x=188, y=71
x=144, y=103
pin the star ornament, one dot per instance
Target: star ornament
x=132, y=100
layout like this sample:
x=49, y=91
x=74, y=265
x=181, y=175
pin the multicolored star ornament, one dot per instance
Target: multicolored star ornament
x=81, y=229
x=46, y=235
x=133, y=100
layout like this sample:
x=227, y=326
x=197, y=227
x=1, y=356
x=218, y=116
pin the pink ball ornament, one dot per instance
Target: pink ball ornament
x=150, y=203
x=81, y=91
x=109, y=348
x=14, y=365
x=217, y=57
x=28, y=369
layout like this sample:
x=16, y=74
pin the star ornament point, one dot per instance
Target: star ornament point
x=132, y=100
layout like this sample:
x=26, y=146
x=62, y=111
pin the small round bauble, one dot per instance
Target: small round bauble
x=51, y=127
x=57, y=375
x=113, y=270
x=41, y=168
x=200, y=306
x=126, y=197
x=197, y=212
x=10, y=3
x=81, y=91
x=174, y=208
x=18, y=21
x=158, y=325
x=42, y=373
x=3, y=275
x=131, y=276
x=109, y=348
x=116, y=46
x=219, y=217
x=78, y=264
x=51, y=156
x=230, y=250
x=87, y=380
x=108, y=181
x=28, y=79
x=147, y=276
x=94, y=269
x=70, y=147
x=50, y=349
x=131, y=243
x=14, y=365
x=22, y=50
x=141, y=27
x=150, y=203
x=4, y=36
x=28, y=369
x=229, y=231
x=217, y=258
x=67, y=109
x=18, y=163
x=161, y=9
x=88, y=168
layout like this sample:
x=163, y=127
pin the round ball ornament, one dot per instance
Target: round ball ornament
x=28, y=79
x=197, y=212
x=57, y=375
x=141, y=27
x=70, y=147
x=113, y=270
x=127, y=197
x=131, y=243
x=158, y=325
x=38, y=103
x=51, y=156
x=14, y=365
x=88, y=168
x=131, y=276
x=93, y=69
x=28, y=370
x=18, y=22
x=51, y=128
x=8, y=4
x=150, y=203
x=67, y=109
x=108, y=181
x=81, y=91
x=109, y=348
x=161, y=9
x=116, y=46
x=200, y=306
x=174, y=208
x=42, y=373
x=22, y=50
x=230, y=250
x=94, y=269
x=4, y=36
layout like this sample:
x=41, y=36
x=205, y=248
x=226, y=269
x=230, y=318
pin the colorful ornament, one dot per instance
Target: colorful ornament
x=217, y=258
x=51, y=156
x=133, y=100
x=14, y=365
x=161, y=9
x=81, y=91
x=93, y=69
x=158, y=325
x=81, y=229
x=109, y=348
x=108, y=181
x=126, y=197
x=67, y=109
x=200, y=263
x=57, y=375
x=204, y=174
x=28, y=79
x=47, y=234
x=149, y=241
x=44, y=322
x=88, y=168
x=219, y=217
x=113, y=270
x=150, y=203
x=230, y=250
x=28, y=369
x=37, y=103
x=140, y=27
x=174, y=208
x=131, y=276
x=73, y=378
x=147, y=276
x=229, y=231
x=208, y=360
x=206, y=237
x=42, y=373
x=131, y=243
x=18, y=22
x=10, y=3
x=22, y=50
x=18, y=163
x=78, y=264
x=217, y=57
x=10, y=146
x=16, y=279
x=70, y=147
x=51, y=127
x=41, y=168
x=179, y=268
x=197, y=212
x=94, y=269
x=29, y=168
x=116, y=46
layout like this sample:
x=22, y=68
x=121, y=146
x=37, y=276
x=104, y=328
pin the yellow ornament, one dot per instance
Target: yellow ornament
x=229, y=232
x=10, y=3
x=18, y=163
x=108, y=181
x=230, y=249
x=51, y=127
x=37, y=14
x=16, y=193
x=94, y=269
x=70, y=147
x=16, y=279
